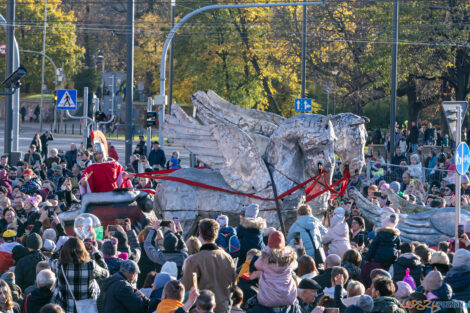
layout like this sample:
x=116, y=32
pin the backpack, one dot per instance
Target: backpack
x=228, y=240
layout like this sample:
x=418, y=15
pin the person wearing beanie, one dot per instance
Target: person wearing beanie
x=25, y=268
x=383, y=251
x=309, y=228
x=337, y=237
x=366, y=303
x=250, y=232
x=158, y=284
x=403, y=291
x=408, y=260
x=174, y=248
x=458, y=277
x=227, y=238
x=440, y=261
x=436, y=290
x=32, y=184
x=109, y=250
x=274, y=270
x=6, y=250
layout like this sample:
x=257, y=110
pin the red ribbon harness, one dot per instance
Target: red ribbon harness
x=317, y=179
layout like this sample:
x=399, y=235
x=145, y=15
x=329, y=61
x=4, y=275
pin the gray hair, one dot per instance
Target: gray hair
x=45, y=279
x=332, y=260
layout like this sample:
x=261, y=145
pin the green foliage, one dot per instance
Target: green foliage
x=87, y=77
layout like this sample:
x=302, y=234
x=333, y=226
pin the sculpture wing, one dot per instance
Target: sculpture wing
x=212, y=109
x=430, y=227
x=223, y=147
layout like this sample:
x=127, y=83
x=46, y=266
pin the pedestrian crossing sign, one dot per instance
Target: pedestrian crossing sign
x=66, y=99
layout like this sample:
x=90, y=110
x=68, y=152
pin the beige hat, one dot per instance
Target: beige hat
x=439, y=257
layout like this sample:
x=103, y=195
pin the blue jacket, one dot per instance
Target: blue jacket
x=250, y=234
x=444, y=295
x=302, y=225
x=120, y=297
x=458, y=278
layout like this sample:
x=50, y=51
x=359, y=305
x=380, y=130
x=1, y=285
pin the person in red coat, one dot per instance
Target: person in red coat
x=105, y=174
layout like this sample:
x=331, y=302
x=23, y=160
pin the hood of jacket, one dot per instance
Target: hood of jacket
x=408, y=260
x=444, y=293
x=40, y=296
x=387, y=234
x=458, y=277
x=259, y=223
x=341, y=229
x=306, y=221
x=386, y=305
x=117, y=277
x=228, y=230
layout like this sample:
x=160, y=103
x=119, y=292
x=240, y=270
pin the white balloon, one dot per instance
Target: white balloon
x=84, y=224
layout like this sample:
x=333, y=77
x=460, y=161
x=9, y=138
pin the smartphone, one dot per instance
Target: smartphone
x=460, y=230
x=165, y=223
x=297, y=238
x=377, y=194
x=112, y=228
x=331, y=310
x=50, y=211
x=360, y=239
x=195, y=280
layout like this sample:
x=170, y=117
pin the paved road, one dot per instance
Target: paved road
x=62, y=141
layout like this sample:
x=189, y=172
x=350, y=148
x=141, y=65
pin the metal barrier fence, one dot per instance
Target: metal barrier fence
x=389, y=172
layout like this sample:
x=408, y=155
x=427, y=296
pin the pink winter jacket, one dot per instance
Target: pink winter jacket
x=338, y=239
x=276, y=285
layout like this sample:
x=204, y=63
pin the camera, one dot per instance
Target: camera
x=13, y=81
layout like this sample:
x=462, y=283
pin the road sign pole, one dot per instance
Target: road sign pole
x=85, y=114
x=10, y=36
x=458, y=183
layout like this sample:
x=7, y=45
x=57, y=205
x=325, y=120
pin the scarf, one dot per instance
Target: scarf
x=168, y=306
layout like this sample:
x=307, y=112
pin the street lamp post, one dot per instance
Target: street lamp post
x=100, y=58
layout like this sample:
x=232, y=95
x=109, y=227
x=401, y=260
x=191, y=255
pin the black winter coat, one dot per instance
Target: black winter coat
x=324, y=280
x=411, y=261
x=384, y=248
x=458, y=278
x=354, y=272
x=120, y=297
x=145, y=266
x=25, y=269
x=37, y=299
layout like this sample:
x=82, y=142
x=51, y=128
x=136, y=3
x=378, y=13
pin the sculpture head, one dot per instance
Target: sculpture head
x=301, y=145
x=351, y=136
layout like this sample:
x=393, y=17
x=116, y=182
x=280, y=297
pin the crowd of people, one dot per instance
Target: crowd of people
x=341, y=263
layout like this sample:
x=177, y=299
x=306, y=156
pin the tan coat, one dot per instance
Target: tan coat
x=215, y=271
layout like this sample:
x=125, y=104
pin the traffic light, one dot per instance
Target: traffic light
x=152, y=119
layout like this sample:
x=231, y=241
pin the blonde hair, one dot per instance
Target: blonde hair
x=439, y=257
x=280, y=257
x=193, y=245
x=355, y=288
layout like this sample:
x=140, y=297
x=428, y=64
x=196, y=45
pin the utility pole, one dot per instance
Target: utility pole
x=130, y=80
x=393, y=105
x=41, y=107
x=304, y=49
x=170, y=77
x=9, y=69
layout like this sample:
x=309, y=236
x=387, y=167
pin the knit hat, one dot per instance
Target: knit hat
x=55, y=150
x=390, y=221
x=433, y=281
x=50, y=234
x=415, y=157
x=34, y=201
x=395, y=186
x=339, y=211
x=276, y=240
x=461, y=257
x=251, y=212
x=109, y=248
x=403, y=290
x=439, y=257
x=170, y=241
x=366, y=303
x=379, y=272
x=222, y=220
x=161, y=279
x=130, y=267
x=170, y=268
x=48, y=245
x=18, y=252
x=28, y=172
x=353, y=309
x=34, y=241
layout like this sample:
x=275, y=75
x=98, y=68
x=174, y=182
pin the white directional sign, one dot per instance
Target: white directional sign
x=450, y=111
x=66, y=99
x=3, y=49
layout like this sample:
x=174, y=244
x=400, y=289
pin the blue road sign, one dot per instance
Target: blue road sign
x=462, y=159
x=303, y=105
x=66, y=99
